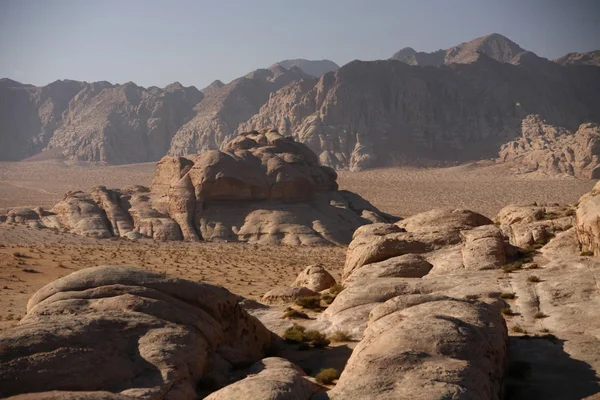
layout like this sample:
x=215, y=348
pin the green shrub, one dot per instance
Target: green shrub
x=508, y=268
x=518, y=329
x=294, y=334
x=340, y=336
x=540, y=315
x=533, y=278
x=327, y=376
x=567, y=227
x=294, y=314
x=336, y=289
x=544, y=330
x=586, y=253
x=310, y=302
x=509, y=296
x=327, y=298
x=507, y=311
x=316, y=339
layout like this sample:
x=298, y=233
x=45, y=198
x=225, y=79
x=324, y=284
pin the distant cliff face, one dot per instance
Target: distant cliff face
x=96, y=122
x=370, y=114
x=218, y=116
x=315, y=68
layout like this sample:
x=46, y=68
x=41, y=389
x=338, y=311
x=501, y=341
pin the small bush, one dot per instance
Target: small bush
x=544, y=330
x=31, y=270
x=533, y=278
x=570, y=213
x=327, y=298
x=16, y=254
x=519, y=369
x=509, y=296
x=340, y=336
x=336, y=289
x=508, y=268
x=327, y=376
x=518, y=329
x=540, y=315
x=507, y=311
x=310, y=302
x=316, y=338
x=294, y=314
x=294, y=334
x=472, y=297
x=567, y=227
x=586, y=253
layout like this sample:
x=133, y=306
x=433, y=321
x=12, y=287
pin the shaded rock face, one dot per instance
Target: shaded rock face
x=379, y=113
x=129, y=332
x=553, y=150
x=221, y=112
x=262, y=188
x=315, y=68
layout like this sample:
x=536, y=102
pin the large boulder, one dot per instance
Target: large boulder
x=260, y=188
x=130, y=332
x=587, y=224
x=269, y=379
x=286, y=294
x=434, y=349
x=315, y=278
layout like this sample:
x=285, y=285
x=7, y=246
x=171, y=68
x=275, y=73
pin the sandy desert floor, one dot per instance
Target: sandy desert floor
x=402, y=191
x=31, y=258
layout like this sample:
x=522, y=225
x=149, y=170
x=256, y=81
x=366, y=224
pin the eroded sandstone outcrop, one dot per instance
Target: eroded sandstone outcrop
x=129, y=332
x=261, y=188
x=554, y=150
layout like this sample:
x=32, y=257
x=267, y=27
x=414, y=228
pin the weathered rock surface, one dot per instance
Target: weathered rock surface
x=270, y=379
x=262, y=188
x=527, y=225
x=553, y=150
x=438, y=349
x=129, y=332
x=587, y=224
x=315, y=278
x=286, y=294
x=380, y=113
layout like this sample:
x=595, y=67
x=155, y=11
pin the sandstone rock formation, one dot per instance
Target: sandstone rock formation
x=315, y=68
x=129, y=332
x=314, y=277
x=587, y=223
x=286, y=294
x=262, y=188
x=553, y=150
x=381, y=113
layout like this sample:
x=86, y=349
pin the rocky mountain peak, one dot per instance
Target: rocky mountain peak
x=315, y=68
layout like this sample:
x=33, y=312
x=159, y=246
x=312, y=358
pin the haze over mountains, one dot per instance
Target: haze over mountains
x=458, y=104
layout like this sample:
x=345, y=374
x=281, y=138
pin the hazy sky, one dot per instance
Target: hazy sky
x=195, y=42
